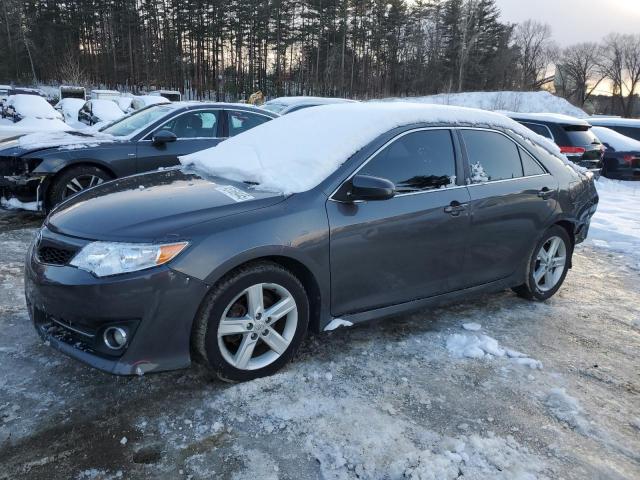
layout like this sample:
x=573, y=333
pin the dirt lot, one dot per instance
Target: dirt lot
x=383, y=400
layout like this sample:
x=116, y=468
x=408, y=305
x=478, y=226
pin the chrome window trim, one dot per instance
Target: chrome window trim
x=389, y=142
x=217, y=109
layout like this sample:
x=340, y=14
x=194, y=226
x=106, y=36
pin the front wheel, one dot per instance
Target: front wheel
x=252, y=322
x=548, y=265
x=75, y=180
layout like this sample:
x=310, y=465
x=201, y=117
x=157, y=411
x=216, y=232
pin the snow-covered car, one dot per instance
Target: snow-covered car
x=124, y=102
x=28, y=114
x=284, y=105
x=98, y=111
x=48, y=168
x=572, y=135
x=328, y=217
x=171, y=95
x=69, y=107
x=142, y=101
x=629, y=127
x=4, y=93
x=622, y=155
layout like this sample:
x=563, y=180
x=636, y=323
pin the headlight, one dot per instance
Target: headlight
x=107, y=258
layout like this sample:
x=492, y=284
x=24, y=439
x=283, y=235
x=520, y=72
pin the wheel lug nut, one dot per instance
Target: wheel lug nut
x=264, y=333
x=258, y=316
x=249, y=326
x=254, y=336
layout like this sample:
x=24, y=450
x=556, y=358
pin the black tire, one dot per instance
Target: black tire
x=530, y=289
x=58, y=189
x=204, y=339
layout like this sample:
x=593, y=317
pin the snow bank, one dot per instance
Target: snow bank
x=615, y=140
x=523, y=102
x=296, y=152
x=482, y=346
x=616, y=223
x=64, y=140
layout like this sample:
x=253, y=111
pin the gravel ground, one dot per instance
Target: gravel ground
x=381, y=400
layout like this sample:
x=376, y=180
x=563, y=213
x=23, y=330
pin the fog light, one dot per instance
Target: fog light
x=115, y=337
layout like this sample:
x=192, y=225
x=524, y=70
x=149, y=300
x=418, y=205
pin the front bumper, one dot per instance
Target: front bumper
x=70, y=309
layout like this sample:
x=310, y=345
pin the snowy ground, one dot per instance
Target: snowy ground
x=493, y=388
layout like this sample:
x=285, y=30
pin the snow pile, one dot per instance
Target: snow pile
x=296, y=152
x=478, y=346
x=615, y=140
x=70, y=140
x=106, y=110
x=15, y=204
x=70, y=108
x=567, y=409
x=616, y=223
x=523, y=102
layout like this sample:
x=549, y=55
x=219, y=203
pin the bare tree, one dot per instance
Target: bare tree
x=621, y=65
x=537, y=51
x=70, y=71
x=578, y=72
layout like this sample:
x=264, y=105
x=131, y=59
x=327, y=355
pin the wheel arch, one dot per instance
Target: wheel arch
x=82, y=163
x=570, y=228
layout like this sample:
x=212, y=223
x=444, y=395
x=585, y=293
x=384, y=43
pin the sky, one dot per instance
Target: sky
x=574, y=21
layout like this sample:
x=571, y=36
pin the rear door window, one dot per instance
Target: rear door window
x=492, y=156
x=418, y=161
x=241, y=121
x=539, y=129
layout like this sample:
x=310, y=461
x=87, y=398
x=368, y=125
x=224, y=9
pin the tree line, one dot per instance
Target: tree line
x=350, y=48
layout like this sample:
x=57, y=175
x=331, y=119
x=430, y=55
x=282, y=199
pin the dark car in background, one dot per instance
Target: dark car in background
x=48, y=168
x=629, y=127
x=146, y=273
x=622, y=155
x=572, y=135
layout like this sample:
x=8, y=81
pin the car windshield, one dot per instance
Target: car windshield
x=137, y=120
x=274, y=107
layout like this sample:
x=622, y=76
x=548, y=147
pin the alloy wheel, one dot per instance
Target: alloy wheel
x=79, y=183
x=550, y=263
x=257, y=326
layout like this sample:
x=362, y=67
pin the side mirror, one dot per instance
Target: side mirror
x=364, y=187
x=163, y=136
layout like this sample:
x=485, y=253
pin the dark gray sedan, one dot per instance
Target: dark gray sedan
x=232, y=264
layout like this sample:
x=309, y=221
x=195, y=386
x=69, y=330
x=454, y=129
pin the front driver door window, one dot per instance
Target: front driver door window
x=397, y=249
x=195, y=130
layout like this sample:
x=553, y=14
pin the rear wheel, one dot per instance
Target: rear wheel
x=75, y=180
x=252, y=322
x=548, y=265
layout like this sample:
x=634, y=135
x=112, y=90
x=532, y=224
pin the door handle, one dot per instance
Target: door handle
x=545, y=193
x=455, y=208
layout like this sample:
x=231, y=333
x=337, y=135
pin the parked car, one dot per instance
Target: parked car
x=22, y=106
x=13, y=91
x=572, y=135
x=284, y=229
x=143, y=101
x=69, y=107
x=622, y=155
x=171, y=95
x=50, y=169
x=98, y=111
x=4, y=93
x=284, y=105
x=629, y=127
x=124, y=102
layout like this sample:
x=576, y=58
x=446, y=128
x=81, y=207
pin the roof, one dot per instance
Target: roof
x=296, y=152
x=615, y=122
x=548, y=117
x=615, y=140
x=304, y=99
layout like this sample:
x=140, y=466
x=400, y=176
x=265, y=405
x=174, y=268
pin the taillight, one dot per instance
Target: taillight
x=572, y=150
x=628, y=158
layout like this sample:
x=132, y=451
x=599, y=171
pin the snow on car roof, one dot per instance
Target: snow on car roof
x=548, y=117
x=303, y=99
x=106, y=110
x=32, y=106
x=615, y=122
x=617, y=141
x=296, y=152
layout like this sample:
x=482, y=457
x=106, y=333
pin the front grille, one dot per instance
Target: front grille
x=54, y=255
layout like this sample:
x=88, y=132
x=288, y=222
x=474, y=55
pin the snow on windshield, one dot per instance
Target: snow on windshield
x=296, y=152
x=106, y=110
x=31, y=106
x=617, y=141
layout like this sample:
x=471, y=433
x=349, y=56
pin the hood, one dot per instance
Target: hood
x=153, y=206
x=70, y=140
